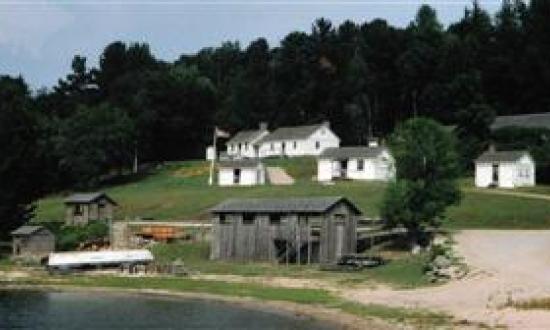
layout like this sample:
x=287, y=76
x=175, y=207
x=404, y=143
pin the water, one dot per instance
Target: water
x=78, y=310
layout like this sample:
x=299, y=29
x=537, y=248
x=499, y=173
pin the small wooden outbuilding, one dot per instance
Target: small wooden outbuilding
x=505, y=169
x=32, y=242
x=300, y=230
x=82, y=208
x=244, y=172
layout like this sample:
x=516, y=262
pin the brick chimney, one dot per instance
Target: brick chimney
x=492, y=148
x=326, y=123
x=373, y=142
x=263, y=126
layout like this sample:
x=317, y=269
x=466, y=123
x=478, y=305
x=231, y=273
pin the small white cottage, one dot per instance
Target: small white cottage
x=245, y=143
x=505, y=169
x=356, y=163
x=309, y=140
x=244, y=172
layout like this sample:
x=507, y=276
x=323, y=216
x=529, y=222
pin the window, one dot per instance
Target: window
x=272, y=146
x=360, y=164
x=246, y=146
x=248, y=219
x=240, y=146
x=274, y=219
x=295, y=144
x=317, y=144
x=77, y=209
x=223, y=219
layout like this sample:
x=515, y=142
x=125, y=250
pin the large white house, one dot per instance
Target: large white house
x=309, y=140
x=245, y=143
x=243, y=172
x=505, y=169
x=356, y=163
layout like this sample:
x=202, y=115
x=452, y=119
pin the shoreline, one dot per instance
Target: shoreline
x=340, y=319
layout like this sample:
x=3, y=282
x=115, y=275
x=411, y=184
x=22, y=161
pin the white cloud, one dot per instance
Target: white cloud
x=27, y=28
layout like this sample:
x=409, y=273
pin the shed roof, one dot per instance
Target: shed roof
x=353, y=152
x=239, y=163
x=533, y=120
x=86, y=198
x=292, y=133
x=26, y=230
x=277, y=205
x=501, y=156
x=246, y=136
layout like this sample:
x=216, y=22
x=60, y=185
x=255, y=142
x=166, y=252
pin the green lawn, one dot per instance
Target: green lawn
x=403, y=270
x=180, y=192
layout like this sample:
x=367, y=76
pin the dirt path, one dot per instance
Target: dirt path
x=278, y=176
x=504, y=265
x=509, y=193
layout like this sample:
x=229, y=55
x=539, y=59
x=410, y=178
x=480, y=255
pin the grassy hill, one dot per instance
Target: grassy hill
x=180, y=191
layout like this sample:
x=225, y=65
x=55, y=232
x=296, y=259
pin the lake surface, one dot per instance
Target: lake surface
x=80, y=310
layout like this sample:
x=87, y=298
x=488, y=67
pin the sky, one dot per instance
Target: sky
x=38, y=38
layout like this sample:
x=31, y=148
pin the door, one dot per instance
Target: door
x=236, y=176
x=495, y=175
x=344, y=168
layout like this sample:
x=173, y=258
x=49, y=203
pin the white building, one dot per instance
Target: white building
x=356, y=163
x=309, y=140
x=245, y=143
x=505, y=169
x=245, y=172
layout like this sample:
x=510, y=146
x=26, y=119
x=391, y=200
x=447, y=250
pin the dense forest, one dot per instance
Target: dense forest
x=364, y=78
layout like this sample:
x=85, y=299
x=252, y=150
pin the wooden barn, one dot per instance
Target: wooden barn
x=287, y=230
x=32, y=242
x=82, y=208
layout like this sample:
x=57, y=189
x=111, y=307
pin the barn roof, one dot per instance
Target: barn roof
x=534, y=120
x=501, y=156
x=283, y=205
x=352, y=152
x=26, y=230
x=292, y=133
x=85, y=198
x=243, y=163
x=246, y=136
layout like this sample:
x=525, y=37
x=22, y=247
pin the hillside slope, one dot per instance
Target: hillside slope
x=180, y=192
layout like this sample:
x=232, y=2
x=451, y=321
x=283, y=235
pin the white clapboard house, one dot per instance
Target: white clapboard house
x=241, y=172
x=245, y=144
x=504, y=169
x=371, y=162
x=309, y=140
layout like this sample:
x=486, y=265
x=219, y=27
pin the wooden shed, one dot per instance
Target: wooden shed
x=288, y=230
x=32, y=242
x=81, y=208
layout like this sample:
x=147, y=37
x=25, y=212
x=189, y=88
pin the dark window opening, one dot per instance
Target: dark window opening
x=360, y=164
x=317, y=144
x=295, y=144
x=274, y=219
x=248, y=219
x=237, y=176
x=78, y=210
x=223, y=219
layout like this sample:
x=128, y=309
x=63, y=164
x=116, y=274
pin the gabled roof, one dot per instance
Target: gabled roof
x=242, y=163
x=26, y=230
x=501, y=156
x=353, y=152
x=86, y=198
x=534, y=120
x=292, y=133
x=246, y=136
x=282, y=205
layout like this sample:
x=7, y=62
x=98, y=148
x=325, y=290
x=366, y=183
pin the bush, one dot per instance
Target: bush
x=69, y=237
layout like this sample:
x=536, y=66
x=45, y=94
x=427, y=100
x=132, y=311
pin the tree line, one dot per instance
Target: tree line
x=364, y=78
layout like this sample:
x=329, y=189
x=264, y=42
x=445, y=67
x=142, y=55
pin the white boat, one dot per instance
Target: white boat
x=66, y=260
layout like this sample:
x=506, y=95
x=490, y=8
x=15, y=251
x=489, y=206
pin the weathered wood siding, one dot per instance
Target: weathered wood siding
x=38, y=244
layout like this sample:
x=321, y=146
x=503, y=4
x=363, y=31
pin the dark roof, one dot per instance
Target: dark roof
x=246, y=136
x=352, y=152
x=290, y=205
x=501, y=156
x=534, y=120
x=85, y=198
x=26, y=230
x=292, y=133
x=239, y=163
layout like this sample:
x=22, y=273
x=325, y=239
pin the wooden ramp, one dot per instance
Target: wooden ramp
x=278, y=176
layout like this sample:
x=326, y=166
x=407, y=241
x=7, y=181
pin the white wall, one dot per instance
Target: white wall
x=246, y=150
x=379, y=168
x=249, y=176
x=510, y=174
x=304, y=147
x=210, y=153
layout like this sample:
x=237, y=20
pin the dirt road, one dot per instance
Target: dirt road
x=504, y=265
